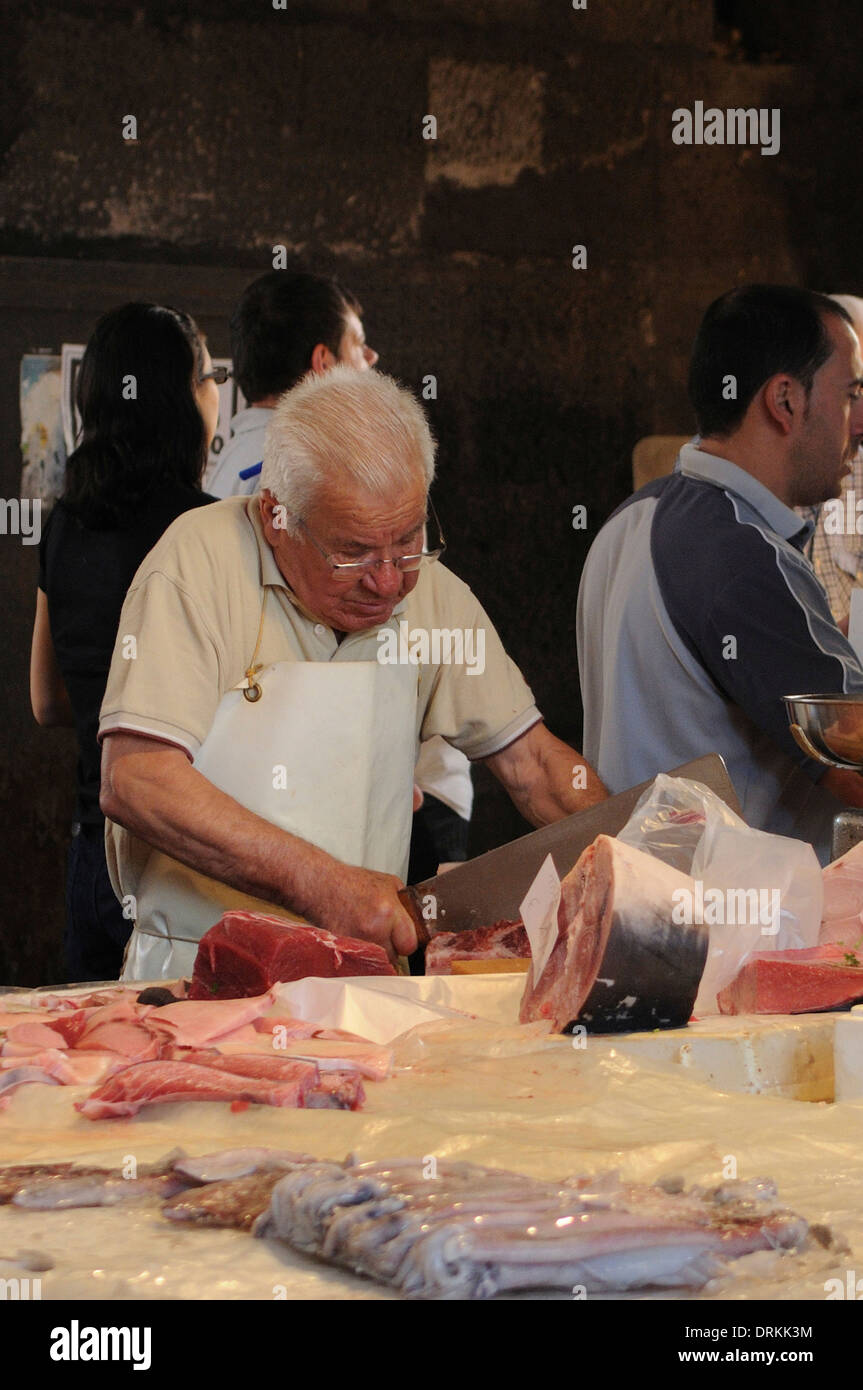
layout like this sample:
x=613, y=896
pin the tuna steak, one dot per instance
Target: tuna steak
x=795, y=982
x=620, y=963
x=246, y=953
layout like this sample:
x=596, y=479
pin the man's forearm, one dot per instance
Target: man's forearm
x=570, y=785
x=162, y=799
x=546, y=778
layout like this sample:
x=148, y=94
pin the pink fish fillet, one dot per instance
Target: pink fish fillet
x=370, y=1060
x=272, y=1033
x=335, y=1090
x=136, y=1042
x=121, y=1011
x=155, y=1083
x=288, y=1027
x=192, y=1023
x=71, y=1068
x=35, y=1035
x=10, y=1018
x=110, y=995
x=270, y=1068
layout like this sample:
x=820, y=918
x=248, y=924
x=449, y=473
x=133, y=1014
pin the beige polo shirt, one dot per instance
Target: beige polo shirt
x=188, y=631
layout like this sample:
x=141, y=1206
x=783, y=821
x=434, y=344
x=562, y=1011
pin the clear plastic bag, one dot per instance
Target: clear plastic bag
x=772, y=881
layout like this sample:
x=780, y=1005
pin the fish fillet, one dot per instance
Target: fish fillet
x=154, y=1083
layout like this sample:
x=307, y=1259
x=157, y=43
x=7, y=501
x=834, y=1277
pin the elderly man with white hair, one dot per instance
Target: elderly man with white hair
x=277, y=661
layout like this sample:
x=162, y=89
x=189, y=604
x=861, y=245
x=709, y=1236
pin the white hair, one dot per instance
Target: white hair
x=345, y=428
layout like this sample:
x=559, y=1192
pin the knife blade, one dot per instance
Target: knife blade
x=492, y=886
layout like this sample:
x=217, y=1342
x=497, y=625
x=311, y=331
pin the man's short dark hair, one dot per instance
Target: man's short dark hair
x=749, y=335
x=277, y=325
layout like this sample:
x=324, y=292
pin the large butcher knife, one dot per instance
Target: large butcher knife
x=492, y=886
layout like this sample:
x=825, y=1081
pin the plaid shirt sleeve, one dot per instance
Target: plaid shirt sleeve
x=823, y=550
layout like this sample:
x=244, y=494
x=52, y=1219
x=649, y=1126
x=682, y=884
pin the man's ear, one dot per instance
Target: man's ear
x=267, y=504
x=322, y=359
x=784, y=400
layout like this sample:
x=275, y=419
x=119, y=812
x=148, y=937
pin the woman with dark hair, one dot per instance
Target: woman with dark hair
x=149, y=408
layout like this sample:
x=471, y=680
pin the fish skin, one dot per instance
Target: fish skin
x=336, y=1090
x=620, y=963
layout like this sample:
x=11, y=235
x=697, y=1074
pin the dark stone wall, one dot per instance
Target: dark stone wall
x=303, y=127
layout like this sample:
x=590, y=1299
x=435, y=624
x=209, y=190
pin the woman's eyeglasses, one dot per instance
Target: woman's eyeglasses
x=218, y=374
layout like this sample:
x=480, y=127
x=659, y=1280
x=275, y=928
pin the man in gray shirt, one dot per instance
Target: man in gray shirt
x=697, y=609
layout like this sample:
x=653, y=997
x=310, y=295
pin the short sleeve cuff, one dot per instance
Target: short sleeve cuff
x=504, y=737
x=158, y=729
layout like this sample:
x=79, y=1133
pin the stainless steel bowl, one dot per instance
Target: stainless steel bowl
x=828, y=727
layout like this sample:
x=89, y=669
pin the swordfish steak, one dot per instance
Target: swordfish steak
x=620, y=962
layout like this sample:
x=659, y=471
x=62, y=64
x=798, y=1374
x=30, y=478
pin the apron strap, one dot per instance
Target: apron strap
x=253, y=692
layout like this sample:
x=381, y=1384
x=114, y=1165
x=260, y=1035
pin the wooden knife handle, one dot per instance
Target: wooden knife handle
x=410, y=903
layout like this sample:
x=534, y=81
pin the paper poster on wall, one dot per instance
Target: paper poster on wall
x=43, y=448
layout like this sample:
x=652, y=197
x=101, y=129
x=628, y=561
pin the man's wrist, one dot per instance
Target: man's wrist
x=309, y=877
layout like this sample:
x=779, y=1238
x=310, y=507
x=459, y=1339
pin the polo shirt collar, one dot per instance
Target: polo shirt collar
x=271, y=575
x=721, y=472
x=252, y=418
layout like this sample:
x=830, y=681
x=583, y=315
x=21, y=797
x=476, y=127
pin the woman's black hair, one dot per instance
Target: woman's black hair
x=140, y=423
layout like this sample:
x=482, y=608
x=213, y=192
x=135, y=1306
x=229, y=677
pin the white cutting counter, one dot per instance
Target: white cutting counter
x=699, y=1102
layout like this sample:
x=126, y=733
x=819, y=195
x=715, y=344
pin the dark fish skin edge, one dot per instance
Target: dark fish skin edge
x=237, y=1202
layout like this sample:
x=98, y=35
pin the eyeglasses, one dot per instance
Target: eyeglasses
x=219, y=375
x=346, y=570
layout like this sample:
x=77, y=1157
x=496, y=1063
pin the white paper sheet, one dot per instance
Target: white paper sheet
x=539, y=914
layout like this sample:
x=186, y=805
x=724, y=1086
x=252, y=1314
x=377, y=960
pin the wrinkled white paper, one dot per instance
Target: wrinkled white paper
x=380, y=1007
x=539, y=914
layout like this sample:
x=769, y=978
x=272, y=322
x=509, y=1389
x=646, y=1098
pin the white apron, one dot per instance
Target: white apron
x=325, y=750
